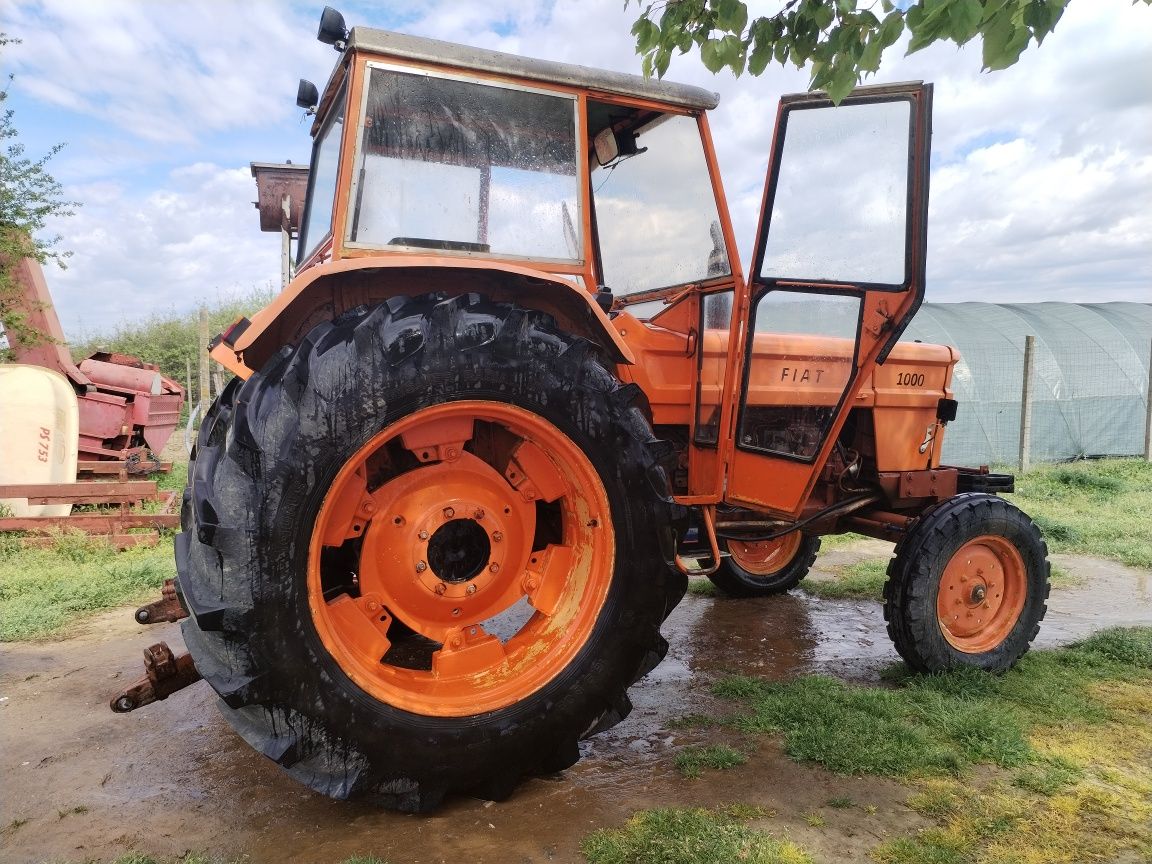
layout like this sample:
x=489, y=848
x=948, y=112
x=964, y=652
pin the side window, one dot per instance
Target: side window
x=655, y=208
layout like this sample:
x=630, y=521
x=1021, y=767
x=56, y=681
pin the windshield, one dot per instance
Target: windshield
x=322, y=181
x=466, y=167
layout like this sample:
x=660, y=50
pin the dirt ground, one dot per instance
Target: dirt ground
x=172, y=777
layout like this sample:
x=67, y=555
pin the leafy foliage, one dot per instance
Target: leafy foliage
x=842, y=40
x=29, y=197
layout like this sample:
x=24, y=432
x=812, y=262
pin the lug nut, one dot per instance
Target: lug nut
x=373, y=606
x=421, y=566
x=369, y=507
x=456, y=642
x=471, y=589
x=479, y=514
x=423, y=535
x=440, y=588
x=493, y=567
x=449, y=512
x=497, y=536
x=531, y=584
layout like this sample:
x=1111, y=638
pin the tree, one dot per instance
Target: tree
x=29, y=197
x=841, y=39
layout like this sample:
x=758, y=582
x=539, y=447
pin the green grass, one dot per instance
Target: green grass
x=1095, y=507
x=941, y=724
x=691, y=760
x=839, y=541
x=688, y=836
x=202, y=858
x=701, y=587
x=862, y=580
x=45, y=590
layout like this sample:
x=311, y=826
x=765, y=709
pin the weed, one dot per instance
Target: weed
x=362, y=859
x=78, y=810
x=814, y=820
x=688, y=836
x=16, y=823
x=939, y=724
x=701, y=587
x=1098, y=507
x=841, y=802
x=838, y=541
x=863, y=580
x=43, y=590
x=1048, y=776
x=691, y=760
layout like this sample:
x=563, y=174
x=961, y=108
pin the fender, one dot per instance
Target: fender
x=325, y=290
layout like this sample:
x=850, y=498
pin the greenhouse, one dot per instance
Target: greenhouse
x=1089, y=381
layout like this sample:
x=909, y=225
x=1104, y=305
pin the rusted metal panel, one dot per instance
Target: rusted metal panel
x=938, y=483
x=164, y=674
x=274, y=183
x=138, y=488
x=92, y=523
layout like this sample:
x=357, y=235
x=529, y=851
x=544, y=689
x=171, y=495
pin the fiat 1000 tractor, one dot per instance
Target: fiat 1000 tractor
x=520, y=388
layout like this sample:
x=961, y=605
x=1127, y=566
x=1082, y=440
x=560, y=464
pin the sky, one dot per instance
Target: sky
x=1041, y=184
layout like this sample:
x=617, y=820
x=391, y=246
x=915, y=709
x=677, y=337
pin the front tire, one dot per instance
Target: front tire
x=766, y=567
x=421, y=551
x=967, y=586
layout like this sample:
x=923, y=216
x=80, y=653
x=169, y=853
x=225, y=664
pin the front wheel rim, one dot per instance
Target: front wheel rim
x=765, y=557
x=461, y=517
x=982, y=594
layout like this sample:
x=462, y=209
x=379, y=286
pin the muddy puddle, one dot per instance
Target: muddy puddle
x=172, y=777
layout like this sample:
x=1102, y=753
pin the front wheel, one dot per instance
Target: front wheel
x=761, y=568
x=421, y=552
x=967, y=586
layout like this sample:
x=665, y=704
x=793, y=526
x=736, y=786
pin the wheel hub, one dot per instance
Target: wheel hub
x=452, y=542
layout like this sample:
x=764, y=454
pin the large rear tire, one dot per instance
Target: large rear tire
x=766, y=567
x=421, y=551
x=967, y=586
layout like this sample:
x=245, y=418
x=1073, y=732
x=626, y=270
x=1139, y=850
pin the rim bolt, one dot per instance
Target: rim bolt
x=449, y=512
x=456, y=641
x=440, y=588
x=421, y=566
x=493, y=567
x=479, y=514
x=497, y=536
x=423, y=535
x=530, y=584
x=369, y=507
x=456, y=612
x=471, y=589
x=452, y=453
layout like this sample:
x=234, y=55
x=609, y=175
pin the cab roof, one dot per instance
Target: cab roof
x=402, y=46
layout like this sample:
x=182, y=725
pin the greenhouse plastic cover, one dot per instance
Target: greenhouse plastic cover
x=1089, y=383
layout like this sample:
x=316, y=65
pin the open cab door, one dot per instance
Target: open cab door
x=838, y=271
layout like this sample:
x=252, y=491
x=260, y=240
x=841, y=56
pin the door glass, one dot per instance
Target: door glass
x=839, y=212
x=716, y=319
x=801, y=360
x=656, y=210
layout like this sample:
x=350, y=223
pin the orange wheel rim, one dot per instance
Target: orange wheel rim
x=765, y=557
x=982, y=593
x=484, y=529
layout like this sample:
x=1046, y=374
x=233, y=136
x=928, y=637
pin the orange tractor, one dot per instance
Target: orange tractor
x=520, y=388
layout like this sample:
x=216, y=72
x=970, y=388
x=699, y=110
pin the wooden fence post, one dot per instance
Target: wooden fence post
x=1026, y=404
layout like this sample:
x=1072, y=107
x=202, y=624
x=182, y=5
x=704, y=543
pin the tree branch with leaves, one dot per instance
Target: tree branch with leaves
x=841, y=40
x=29, y=197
